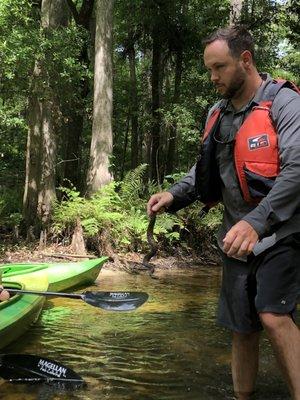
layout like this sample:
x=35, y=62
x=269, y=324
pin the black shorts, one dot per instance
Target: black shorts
x=269, y=282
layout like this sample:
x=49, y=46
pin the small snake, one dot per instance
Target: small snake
x=152, y=244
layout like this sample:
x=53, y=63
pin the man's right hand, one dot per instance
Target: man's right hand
x=4, y=295
x=158, y=202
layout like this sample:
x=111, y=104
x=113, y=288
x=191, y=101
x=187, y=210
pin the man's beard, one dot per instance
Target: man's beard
x=235, y=85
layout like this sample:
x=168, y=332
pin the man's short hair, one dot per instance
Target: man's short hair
x=238, y=39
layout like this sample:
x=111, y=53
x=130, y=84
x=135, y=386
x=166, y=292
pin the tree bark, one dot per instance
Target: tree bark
x=54, y=13
x=133, y=107
x=33, y=153
x=101, y=144
x=77, y=244
x=235, y=11
x=122, y=171
x=39, y=192
x=156, y=118
x=47, y=193
x=176, y=97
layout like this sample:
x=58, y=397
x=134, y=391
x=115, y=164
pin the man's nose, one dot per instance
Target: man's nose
x=214, y=76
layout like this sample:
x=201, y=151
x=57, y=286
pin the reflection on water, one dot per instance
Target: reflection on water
x=168, y=349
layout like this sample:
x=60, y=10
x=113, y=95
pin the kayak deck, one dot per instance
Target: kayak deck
x=20, y=311
x=61, y=276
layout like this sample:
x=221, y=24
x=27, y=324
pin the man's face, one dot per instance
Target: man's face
x=227, y=73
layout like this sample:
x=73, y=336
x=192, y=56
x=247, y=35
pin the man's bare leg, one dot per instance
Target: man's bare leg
x=245, y=350
x=285, y=339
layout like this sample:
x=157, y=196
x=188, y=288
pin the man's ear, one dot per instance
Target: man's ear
x=246, y=58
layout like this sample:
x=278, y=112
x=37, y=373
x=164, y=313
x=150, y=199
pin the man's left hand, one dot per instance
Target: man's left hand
x=240, y=240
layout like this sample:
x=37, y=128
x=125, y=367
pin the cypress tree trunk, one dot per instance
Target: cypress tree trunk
x=39, y=192
x=176, y=97
x=156, y=118
x=235, y=11
x=133, y=108
x=47, y=194
x=33, y=154
x=101, y=145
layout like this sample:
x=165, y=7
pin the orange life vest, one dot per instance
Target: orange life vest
x=256, y=154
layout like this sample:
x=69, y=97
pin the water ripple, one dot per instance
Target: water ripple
x=169, y=349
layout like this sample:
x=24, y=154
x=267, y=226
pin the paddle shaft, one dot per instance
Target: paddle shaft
x=43, y=379
x=113, y=301
x=53, y=294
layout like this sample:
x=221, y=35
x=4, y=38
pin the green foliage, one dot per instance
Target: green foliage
x=132, y=187
x=289, y=66
x=212, y=219
x=59, y=52
x=118, y=209
x=18, y=43
x=200, y=231
x=10, y=202
x=184, y=121
x=13, y=132
x=66, y=54
x=10, y=207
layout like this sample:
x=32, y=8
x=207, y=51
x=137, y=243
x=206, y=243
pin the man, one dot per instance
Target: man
x=250, y=160
x=4, y=295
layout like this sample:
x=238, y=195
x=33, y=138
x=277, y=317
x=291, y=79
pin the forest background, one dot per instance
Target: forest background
x=103, y=102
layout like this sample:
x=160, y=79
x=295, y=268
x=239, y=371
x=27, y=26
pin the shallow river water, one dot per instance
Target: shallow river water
x=168, y=349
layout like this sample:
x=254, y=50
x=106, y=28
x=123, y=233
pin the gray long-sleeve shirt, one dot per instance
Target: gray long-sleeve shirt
x=278, y=214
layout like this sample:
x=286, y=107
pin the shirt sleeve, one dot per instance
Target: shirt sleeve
x=283, y=200
x=184, y=192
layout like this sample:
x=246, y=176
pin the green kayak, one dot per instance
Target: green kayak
x=61, y=276
x=21, y=310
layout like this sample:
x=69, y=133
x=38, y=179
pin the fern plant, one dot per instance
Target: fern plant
x=119, y=208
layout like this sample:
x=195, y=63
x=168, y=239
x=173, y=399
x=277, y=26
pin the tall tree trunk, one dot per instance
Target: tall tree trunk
x=133, y=107
x=33, y=153
x=176, y=97
x=101, y=145
x=39, y=191
x=54, y=13
x=145, y=134
x=47, y=192
x=122, y=171
x=156, y=118
x=235, y=11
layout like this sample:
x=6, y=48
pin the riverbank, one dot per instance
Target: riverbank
x=181, y=259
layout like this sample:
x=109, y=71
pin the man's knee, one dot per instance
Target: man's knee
x=273, y=322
